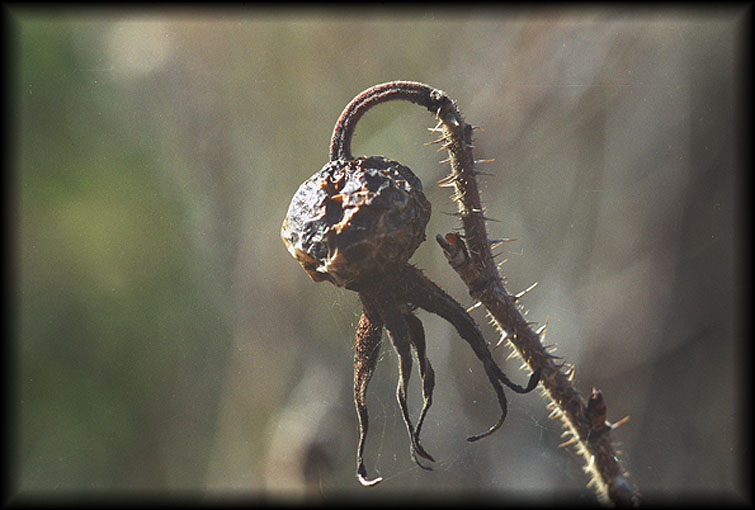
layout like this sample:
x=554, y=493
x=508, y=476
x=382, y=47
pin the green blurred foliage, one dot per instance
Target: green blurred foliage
x=110, y=322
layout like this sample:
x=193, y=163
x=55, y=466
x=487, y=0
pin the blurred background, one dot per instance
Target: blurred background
x=165, y=341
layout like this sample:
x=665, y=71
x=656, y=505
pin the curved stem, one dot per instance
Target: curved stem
x=340, y=143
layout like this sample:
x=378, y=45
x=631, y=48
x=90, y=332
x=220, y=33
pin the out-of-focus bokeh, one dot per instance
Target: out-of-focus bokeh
x=164, y=340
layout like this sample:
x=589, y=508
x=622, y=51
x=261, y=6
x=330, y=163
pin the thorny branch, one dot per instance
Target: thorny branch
x=470, y=255
x=472, y=259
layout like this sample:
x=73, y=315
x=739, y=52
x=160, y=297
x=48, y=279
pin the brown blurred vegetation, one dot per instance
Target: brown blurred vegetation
x=165, y=340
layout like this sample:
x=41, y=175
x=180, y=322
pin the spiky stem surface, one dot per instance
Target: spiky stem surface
x=473, y=261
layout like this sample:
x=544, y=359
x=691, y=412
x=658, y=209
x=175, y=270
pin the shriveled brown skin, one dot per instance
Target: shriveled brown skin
x=354, y=218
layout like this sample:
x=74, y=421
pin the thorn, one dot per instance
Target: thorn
x=447, y=181
x=525, y=291
x=619, y=423
x=445, y=145
x=433, y=142
x=469, y=146
x=503, y=338
x=568, y=442
x=443, y=162
x=484, y=218
x=476, y=305
x=555, y=413
x=495, y=243
x=437, y=128
x=503, y=262
x=543, y=329
x=482, y=161
x=477, y=127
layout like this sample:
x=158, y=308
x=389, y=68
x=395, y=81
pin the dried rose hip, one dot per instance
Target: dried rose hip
x=356, y=223
x=355, y=219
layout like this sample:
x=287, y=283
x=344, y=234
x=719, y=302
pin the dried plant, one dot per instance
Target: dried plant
x=357, y=222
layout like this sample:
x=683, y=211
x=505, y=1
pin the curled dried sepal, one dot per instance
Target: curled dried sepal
x=355, y=219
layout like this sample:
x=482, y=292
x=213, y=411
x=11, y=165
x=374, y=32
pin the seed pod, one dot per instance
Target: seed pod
x=355, y=219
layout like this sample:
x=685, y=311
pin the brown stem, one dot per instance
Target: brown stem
x=419, y=93
x=473, y=261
